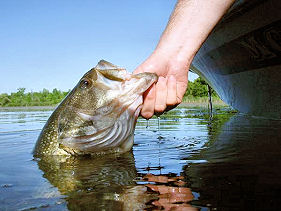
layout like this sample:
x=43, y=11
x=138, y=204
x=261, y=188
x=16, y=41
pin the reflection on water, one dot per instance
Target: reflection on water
x=184, y=161
x=87, y=183
x=243, y=168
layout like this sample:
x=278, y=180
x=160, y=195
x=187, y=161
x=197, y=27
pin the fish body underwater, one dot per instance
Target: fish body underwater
x=98, y=116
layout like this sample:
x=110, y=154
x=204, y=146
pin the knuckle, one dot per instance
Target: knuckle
x=160, y=108
x=171, y=101
x=146, y=114
x=150, y=97
x=179, y=100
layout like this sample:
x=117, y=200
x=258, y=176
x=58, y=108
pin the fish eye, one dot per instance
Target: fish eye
x=85, y=83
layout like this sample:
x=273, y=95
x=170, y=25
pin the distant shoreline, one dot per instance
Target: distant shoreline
x=44, y=108
x=202, y=104
x=27, y=108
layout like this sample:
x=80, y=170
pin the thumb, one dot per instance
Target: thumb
x=181, y=89
x=146, y=66
x=139, y=69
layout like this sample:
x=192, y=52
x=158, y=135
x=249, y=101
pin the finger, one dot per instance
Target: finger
x=139, y=69
x=161, y=95
x=145, y=67
x=148, y=103
x=181, y=89
x=172, y=91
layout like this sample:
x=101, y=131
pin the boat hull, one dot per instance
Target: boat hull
x=241, y=59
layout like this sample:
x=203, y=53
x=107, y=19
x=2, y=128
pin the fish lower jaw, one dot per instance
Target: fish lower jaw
x=125, y=146
x=56, y=152
x=135, y=107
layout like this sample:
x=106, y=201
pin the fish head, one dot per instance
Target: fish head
x=99, y=114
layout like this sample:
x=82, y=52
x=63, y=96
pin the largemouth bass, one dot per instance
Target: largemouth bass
x=98, y=116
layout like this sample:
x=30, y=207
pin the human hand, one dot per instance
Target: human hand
x=170, y=88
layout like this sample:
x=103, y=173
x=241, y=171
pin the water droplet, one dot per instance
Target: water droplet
x=6, y=185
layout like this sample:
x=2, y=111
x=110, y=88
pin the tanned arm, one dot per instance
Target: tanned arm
x=189, y=26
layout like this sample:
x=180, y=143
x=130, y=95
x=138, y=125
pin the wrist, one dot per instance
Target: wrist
x=174, y=55
x=178, y=45
x=189, y=26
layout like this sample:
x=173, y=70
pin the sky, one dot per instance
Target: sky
x=51, y=44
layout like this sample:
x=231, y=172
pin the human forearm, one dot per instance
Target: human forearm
x=188, y=27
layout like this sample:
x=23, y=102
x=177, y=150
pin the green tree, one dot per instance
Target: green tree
x=42, y=98
x=198, y=88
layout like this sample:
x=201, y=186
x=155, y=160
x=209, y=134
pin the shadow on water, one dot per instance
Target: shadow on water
x=243, y=165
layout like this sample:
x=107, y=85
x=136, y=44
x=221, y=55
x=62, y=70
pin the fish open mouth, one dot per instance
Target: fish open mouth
x=113, y=125
x=98, y=115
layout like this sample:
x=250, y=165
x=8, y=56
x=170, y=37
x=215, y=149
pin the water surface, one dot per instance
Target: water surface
x=184, y=161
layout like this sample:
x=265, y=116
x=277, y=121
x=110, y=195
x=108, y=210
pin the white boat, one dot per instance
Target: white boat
x=241, y=59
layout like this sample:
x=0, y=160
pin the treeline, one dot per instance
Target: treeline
x=196, y=89
x=42, y=98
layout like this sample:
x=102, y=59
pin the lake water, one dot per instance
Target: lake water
x=184, y=161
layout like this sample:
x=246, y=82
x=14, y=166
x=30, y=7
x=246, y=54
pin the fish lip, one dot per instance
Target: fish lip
x=147, y=78
x=154, y=76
